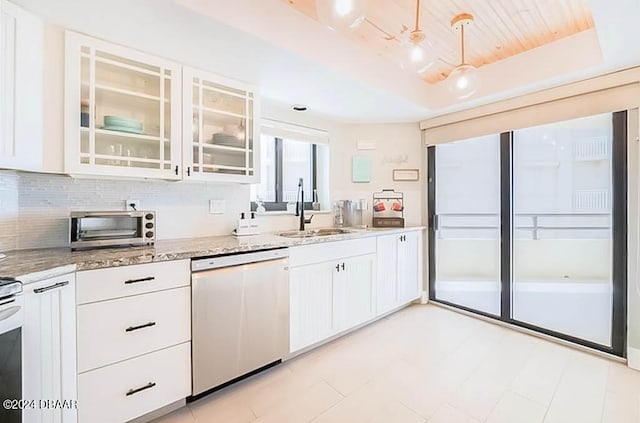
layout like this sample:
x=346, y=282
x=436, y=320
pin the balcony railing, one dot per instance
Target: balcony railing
x=537, y=225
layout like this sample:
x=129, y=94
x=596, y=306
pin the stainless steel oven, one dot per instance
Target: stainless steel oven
x=10, y=350
x=112, y=229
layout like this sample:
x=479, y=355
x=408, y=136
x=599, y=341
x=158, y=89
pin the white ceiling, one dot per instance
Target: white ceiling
x=294, y=59
x=336, y=78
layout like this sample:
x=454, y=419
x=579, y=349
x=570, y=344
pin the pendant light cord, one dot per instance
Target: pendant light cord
x=417, y=15
x=462, y=42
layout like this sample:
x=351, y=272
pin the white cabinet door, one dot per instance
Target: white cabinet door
x=311, y=306
x=409, y=266
x=49, y=348
x=353, y=292
x=122, y=111
x=387, y=273
x=220, y=139
x=21, y=93
x=129, y=389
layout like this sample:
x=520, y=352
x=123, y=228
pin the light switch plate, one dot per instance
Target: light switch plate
x=217, y=206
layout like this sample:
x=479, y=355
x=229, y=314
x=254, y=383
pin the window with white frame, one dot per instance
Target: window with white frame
x=283, y=162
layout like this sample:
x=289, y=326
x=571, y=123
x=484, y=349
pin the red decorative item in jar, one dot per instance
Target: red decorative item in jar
x=379, y=207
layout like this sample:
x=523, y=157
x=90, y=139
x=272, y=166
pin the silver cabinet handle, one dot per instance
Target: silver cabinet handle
x=142, y=388
x=50, y=287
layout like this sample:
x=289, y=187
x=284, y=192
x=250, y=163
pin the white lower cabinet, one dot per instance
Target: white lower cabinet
x=132, y=388
x=399, y=272
x=134, y=340
x=49, y=349
x=311, y=304
x=409, y=267
x=331, y=289
x=387, y=278
x=353, y=292
x=111, y=331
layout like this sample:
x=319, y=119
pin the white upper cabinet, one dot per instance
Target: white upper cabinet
x=21, y=81
x=122, y=111
x=135, y=115
x=219, y=129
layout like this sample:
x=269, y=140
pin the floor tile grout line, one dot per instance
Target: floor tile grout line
x=555, y=389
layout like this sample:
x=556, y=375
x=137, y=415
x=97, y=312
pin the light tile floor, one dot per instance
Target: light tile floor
x=429, y=364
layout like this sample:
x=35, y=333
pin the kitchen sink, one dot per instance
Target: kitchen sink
x=315, y=232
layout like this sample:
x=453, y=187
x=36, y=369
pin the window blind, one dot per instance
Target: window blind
x=608, y=93
x=293, y=132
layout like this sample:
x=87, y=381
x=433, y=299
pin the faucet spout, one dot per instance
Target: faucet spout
x=300, y=206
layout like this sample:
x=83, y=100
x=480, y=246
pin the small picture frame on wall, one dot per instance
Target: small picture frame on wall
x=406, y=174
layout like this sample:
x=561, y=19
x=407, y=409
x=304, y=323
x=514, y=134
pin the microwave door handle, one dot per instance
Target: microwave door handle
x=132, y=213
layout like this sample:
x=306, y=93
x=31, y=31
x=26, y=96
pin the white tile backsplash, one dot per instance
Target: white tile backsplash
x=34, y=208
x=8, y=210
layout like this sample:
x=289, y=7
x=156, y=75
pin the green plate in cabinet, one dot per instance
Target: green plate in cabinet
x=123, y=129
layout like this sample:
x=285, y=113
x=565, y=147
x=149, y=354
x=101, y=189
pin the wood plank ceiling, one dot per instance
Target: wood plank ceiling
x=502, y=28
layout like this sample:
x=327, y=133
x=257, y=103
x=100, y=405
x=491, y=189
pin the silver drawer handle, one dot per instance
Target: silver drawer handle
x=50, y=287
x=147, y=279
x=146, y=325
x=143, y=388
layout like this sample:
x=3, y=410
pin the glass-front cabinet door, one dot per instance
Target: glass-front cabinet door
x=219, y=129
x=122, y=111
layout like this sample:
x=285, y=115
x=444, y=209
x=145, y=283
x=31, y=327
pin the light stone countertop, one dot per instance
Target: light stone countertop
x=34, y=265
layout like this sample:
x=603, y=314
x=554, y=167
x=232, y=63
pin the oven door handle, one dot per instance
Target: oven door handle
x=7, y=313
x=50, y=287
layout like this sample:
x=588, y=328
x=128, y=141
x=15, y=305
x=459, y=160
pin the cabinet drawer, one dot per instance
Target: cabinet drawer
x=124, y=391
x=327, y=251
x=115, y=330
x=116, y=282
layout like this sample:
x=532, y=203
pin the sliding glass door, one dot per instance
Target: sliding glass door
x=529, y=227
x=562, y=247
x=467, y=232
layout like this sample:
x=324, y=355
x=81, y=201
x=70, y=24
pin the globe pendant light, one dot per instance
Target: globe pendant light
x=341, y=15
x=419, y=55
x=463, y=80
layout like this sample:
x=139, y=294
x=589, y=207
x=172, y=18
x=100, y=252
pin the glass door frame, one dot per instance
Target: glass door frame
x=619, y=240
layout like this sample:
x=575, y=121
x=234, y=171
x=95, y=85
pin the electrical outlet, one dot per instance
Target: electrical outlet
x=217, y=206
x=132, y=205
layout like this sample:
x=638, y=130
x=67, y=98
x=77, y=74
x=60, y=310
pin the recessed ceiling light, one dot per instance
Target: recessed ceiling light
x=299, y=108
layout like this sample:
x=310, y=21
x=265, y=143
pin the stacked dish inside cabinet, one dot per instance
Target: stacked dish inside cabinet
x=222, y=133
x=125, y=104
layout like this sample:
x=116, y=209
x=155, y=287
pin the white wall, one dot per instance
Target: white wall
x=581, y=260
x=397, y=146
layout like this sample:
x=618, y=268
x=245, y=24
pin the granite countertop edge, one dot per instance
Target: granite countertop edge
x=34, y=265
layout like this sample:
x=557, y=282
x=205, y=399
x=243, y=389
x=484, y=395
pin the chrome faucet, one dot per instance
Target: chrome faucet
x=300, y=206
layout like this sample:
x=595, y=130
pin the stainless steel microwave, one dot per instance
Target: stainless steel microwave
x=112, y=229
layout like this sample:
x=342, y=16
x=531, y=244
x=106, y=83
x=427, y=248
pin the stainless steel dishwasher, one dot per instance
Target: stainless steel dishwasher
x=240, y=315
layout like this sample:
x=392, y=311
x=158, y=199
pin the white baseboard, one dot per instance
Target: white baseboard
x=633, y=358
x=424, y=298
x=160, y=412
